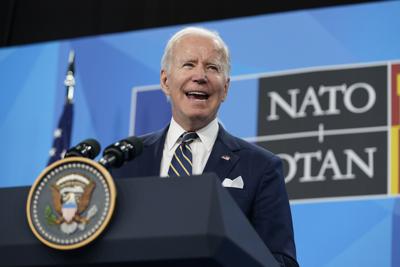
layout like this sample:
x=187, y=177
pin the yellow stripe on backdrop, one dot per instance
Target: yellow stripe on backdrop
x=398, y=84
x=394, y=158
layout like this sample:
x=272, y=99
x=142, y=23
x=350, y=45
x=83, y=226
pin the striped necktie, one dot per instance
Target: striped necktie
x=181, y=163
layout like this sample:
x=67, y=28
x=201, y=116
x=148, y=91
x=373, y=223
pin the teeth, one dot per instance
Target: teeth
x=197, y=93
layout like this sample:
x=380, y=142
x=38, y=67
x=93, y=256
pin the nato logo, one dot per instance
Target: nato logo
x=332, y=129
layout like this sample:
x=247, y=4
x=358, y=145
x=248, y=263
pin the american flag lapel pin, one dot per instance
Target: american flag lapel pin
x=226, y=157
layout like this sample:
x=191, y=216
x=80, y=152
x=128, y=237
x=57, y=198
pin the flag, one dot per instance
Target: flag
x=62, y=134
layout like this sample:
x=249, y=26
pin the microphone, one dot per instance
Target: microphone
x=124, y=150
x=88, y=148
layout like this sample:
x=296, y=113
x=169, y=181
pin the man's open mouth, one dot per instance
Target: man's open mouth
x=197, y=95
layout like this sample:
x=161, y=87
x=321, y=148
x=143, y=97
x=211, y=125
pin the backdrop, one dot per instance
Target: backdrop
x=320, y=88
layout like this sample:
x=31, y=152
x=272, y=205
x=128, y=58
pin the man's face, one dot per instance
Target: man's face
x=196, y=81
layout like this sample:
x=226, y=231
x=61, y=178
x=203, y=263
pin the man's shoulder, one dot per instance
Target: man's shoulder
x=151, y=138
x=245, y=147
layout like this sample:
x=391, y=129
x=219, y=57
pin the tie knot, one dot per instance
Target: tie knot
x=189, y=137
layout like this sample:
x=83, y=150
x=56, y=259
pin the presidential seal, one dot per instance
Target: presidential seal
x=71, y=203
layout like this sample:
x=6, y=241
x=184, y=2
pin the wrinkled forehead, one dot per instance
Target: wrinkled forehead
x=192, y=46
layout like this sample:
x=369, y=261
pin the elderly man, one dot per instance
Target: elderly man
x=195, y=76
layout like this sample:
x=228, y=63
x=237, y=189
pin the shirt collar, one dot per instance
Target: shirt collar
x=174, y=132
x=207, y=134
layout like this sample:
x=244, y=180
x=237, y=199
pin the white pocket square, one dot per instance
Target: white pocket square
x=235, y=183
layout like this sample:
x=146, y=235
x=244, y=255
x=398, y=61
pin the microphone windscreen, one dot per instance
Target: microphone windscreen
x=137, y=144
x=95, y=147
x=88, y=148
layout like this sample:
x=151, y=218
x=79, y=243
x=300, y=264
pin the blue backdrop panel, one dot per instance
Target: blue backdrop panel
x=151, y=111
x=346, y=233
x=112, y=70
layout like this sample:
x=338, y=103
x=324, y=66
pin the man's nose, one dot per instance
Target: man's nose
x=199, y=75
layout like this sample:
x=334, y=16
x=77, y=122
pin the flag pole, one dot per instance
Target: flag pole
x=62, y=134
x=70, y=79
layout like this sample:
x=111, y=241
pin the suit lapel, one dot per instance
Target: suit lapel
x=222, y=158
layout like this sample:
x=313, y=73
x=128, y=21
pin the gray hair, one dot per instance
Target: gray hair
x=167, y=56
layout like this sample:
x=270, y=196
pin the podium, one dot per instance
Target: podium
x=190, y=221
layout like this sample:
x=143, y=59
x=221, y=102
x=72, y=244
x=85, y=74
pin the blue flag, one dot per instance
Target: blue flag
x=62, y=135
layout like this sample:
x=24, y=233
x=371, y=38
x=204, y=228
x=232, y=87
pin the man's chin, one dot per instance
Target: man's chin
x=199, y=120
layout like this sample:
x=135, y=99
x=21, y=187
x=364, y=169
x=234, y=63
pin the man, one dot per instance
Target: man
x=195, y=76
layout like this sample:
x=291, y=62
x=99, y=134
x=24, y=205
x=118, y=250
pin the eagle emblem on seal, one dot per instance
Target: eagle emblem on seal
x=71, y=197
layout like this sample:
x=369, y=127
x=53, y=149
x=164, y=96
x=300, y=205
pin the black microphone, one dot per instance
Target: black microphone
x=116, y=154
x=88, y=148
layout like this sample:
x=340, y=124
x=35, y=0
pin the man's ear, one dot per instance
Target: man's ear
x=164, y=82
x=226, y=88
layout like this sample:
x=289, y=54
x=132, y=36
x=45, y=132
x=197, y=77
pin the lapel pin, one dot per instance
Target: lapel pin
x=226, y=157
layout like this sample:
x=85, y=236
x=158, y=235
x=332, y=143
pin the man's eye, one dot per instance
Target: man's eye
x=213, y=67
x=188, y=64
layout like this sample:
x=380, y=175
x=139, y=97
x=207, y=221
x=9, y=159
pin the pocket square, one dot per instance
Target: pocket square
x=235, y=183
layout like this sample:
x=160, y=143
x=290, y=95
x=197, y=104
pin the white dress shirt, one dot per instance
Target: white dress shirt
x=201, y=147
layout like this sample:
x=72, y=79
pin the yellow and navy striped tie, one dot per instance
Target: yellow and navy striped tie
x=181, y=163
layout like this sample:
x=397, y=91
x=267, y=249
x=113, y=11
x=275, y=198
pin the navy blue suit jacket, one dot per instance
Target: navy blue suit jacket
x=263, y=199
